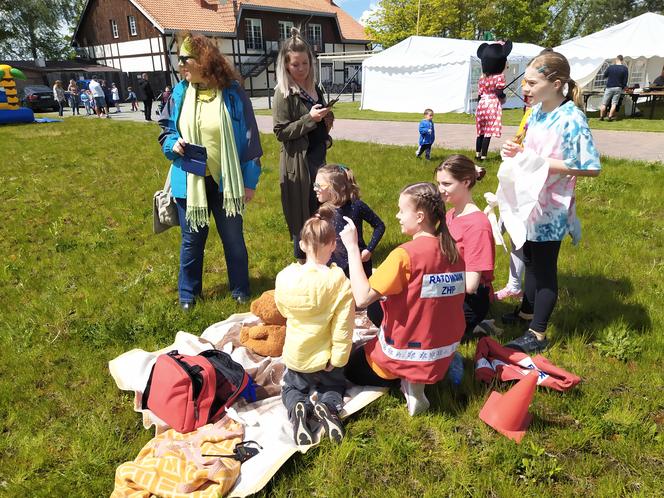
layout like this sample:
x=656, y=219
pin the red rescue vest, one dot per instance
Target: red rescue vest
x=423, y=324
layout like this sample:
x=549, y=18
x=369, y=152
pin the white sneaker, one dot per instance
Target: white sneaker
x=416, y=400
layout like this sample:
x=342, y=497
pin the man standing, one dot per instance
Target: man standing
x=616, y=81
x=98, y=95
x=147, y=95
x=659, y=81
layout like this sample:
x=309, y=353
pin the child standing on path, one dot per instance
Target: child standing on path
x=471, y=229
x=115, y=96
x=424, y=283
x=335, y=184
x=558, y=131
x=427, y=135
x=318, y=305
x=131, y=97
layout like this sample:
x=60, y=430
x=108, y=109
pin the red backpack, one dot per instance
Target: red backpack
x=188, y=392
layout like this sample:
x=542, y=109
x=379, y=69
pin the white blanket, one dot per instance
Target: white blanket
x=265, y=421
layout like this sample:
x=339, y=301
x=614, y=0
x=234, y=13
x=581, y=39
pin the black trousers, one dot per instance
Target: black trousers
x=475, y=308
x=541, y=286
x=359, y=372
x=147, y=108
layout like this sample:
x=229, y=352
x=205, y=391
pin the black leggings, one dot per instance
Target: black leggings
x=482, y=145
x=475, y=308
x=359, y=372
x=541, y=287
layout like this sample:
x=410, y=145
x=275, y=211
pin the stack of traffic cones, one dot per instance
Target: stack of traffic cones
x=508, y=413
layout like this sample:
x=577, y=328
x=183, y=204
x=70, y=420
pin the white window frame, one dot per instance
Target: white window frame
x=315, y=35
x=114, y=29
x=285, y=29
x=251, y=41
x=133, y=29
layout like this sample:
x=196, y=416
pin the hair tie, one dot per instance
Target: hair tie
x=565, y=89
x=342, y=167
x=317, y=215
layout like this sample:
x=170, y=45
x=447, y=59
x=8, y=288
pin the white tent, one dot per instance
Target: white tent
x=437, y=73
x=638, y=40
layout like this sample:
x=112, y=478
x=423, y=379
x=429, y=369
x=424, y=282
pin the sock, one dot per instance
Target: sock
x=416, y=400
x=540, y=336
x=526, y=316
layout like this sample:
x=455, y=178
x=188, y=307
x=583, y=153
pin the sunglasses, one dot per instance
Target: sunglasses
x=182, y=59
x=321, y=186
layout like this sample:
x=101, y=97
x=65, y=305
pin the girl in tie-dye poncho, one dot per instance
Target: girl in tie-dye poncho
x=557, y=131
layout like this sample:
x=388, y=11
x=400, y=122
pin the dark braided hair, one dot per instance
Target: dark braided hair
x=426, y=197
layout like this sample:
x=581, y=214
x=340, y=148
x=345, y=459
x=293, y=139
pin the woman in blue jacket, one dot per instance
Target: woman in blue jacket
x=210, y=108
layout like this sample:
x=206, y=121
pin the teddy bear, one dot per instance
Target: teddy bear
x=266, y=339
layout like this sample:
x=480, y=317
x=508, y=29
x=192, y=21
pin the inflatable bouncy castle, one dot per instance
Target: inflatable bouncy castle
x=10, y=111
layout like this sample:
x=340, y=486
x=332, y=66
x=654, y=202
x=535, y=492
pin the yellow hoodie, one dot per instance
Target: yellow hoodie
x=319, y=309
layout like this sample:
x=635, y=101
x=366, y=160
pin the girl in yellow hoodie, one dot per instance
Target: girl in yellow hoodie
x=319, y=309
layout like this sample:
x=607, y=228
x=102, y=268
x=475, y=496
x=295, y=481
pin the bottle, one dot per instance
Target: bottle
x=455, y=370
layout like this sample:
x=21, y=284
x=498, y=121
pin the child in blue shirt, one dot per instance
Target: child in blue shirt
x=427, y=135
x=131, y=97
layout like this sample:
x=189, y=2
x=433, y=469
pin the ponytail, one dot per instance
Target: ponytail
x=426, y=197
x=318, y=231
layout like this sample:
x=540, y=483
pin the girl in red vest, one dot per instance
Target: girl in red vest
x=423, y=282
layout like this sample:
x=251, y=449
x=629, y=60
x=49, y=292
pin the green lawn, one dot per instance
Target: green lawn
x=351, y=110
x=83, y=279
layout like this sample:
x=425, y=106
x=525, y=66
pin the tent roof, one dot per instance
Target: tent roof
x=425, y=51
x=638, y=37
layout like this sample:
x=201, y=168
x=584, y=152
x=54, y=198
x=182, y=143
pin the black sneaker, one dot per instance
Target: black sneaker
x=528, y=343
x=330, y=421
x=514, y=318
x=301, y=432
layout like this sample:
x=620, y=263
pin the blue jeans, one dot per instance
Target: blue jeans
x=190, y=278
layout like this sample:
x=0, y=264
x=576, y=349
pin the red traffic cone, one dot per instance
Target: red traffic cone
x=508, y=413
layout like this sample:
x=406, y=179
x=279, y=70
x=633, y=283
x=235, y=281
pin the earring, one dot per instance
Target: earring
x=565, y=89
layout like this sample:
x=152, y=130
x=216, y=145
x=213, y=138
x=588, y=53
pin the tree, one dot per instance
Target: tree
x=544, y=22
x=37, y=28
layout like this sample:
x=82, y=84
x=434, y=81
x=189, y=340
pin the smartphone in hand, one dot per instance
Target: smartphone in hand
x=331, y=102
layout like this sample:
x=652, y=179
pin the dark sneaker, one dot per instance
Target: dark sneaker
x=330, y=421
x=515, y=317
x=528, y=343
x=301, y=432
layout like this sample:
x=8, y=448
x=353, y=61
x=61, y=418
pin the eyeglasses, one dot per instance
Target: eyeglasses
x=182, y=59
x=321, y=186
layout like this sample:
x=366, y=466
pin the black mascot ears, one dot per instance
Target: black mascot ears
x=494, y=56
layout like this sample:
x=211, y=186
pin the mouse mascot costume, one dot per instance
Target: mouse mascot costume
x=490, y=94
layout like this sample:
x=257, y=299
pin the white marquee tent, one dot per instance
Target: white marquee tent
x=438, y=73
x=639, y=40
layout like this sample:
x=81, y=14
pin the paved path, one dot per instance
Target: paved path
x=640, y=145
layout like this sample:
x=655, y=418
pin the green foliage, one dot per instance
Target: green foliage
x=619, y=342
x=33, y=28
x=545, y=22
x=538, y=466
x=83, y=279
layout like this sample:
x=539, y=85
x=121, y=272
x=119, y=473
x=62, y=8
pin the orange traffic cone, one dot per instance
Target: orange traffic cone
x=508, y=413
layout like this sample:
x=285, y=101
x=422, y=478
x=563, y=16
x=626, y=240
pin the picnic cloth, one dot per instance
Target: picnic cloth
x=172, y=465
x=492, y=360
x=264, y=421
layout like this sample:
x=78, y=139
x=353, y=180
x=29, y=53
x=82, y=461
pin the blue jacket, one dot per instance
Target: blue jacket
x=427, y=132
x=245, y=130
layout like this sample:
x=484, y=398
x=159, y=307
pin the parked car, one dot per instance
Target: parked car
x=39, y=98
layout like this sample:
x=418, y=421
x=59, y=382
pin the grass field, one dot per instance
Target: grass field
x=351, y=110
x=83, y=279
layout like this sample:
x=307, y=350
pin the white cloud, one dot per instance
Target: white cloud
x=368, y=14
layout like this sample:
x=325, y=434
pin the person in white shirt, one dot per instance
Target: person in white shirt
x=98, y=94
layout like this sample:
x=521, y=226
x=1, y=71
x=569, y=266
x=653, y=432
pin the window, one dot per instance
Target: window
x=315, y=36
x=114, y=29
x=285, y=29
x=254, y=36
x=131, y=20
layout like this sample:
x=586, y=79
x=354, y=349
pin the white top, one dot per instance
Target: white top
x=95, y=88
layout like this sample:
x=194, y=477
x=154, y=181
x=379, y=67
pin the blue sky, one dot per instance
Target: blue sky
x=356, y=7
